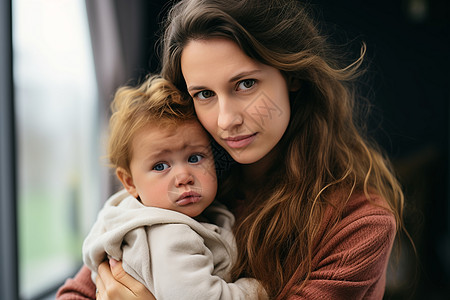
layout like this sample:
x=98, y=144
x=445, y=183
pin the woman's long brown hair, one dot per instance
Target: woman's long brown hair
x=327, y=158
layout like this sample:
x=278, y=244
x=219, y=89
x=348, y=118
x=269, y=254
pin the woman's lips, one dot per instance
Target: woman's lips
x=240, y=141
x=188, y=198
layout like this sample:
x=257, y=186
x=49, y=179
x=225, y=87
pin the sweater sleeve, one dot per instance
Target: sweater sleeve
x=80, y=287
x=352, y=263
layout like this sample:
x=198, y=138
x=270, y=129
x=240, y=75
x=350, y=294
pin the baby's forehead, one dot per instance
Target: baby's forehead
x=175, y=126
x=186, y=131
x=171, y=138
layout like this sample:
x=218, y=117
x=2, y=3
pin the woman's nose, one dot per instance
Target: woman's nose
x=230, y=114
x=184, y=178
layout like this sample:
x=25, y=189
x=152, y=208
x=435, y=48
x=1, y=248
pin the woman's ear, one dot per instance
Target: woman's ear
x=293, y=84
x=127, y=181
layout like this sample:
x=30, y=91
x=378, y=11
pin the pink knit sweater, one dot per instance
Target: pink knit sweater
x=349, y=260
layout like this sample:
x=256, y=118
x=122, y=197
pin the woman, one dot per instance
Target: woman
x=317, y=204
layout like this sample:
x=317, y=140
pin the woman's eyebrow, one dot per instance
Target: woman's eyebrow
x=232, y=79
x=196, y=88
x=244, y=74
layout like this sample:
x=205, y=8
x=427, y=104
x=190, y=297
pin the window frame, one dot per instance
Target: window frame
x=9, y=287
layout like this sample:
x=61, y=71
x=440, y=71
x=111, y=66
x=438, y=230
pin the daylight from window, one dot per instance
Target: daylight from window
x=57, y=139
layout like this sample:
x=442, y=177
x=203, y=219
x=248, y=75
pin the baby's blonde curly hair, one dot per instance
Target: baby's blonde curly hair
x=155, y=101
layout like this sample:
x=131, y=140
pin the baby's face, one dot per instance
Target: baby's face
x=174, y=168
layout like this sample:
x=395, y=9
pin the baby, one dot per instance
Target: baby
x=163, y=158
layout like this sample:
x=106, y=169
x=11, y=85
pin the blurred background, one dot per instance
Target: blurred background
x=61, y=61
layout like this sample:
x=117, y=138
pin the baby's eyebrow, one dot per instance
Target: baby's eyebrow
x=188, y=146
x=155, y=155
x=198, y=146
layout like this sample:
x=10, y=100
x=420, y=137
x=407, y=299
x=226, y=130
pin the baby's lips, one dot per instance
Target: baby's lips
x=188, y=198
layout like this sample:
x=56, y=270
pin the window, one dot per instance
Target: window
x=58, y=154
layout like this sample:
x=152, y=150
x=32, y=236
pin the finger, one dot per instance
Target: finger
x=120, y=275
x=100, y=288
x=105, y=280
x=133, y=285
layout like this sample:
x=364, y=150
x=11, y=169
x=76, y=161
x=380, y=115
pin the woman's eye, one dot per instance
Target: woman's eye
x=204, y=94
x=246, y=84
x=161, y=167
x=193, y=159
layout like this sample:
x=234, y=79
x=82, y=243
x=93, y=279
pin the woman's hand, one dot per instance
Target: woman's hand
x=113, y=283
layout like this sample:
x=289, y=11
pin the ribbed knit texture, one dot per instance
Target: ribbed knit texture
x=80, y=287
x=350, y=262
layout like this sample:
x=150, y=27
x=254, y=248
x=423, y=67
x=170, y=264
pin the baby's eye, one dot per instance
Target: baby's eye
x=204, y=94
x=193, y=159
x=161, y=167
x=246, y=84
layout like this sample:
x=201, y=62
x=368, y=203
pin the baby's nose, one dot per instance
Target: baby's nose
x=184, y=179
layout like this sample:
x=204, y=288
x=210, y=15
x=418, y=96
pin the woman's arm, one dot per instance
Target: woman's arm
x=80, y=287
x=352, y=263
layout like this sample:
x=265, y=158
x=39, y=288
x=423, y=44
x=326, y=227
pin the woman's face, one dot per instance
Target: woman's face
x=242, y=103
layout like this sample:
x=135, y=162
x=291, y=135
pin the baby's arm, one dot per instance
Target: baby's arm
x=182, y=267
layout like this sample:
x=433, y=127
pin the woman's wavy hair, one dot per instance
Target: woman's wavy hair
x=155, y=101
x=327, y=154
